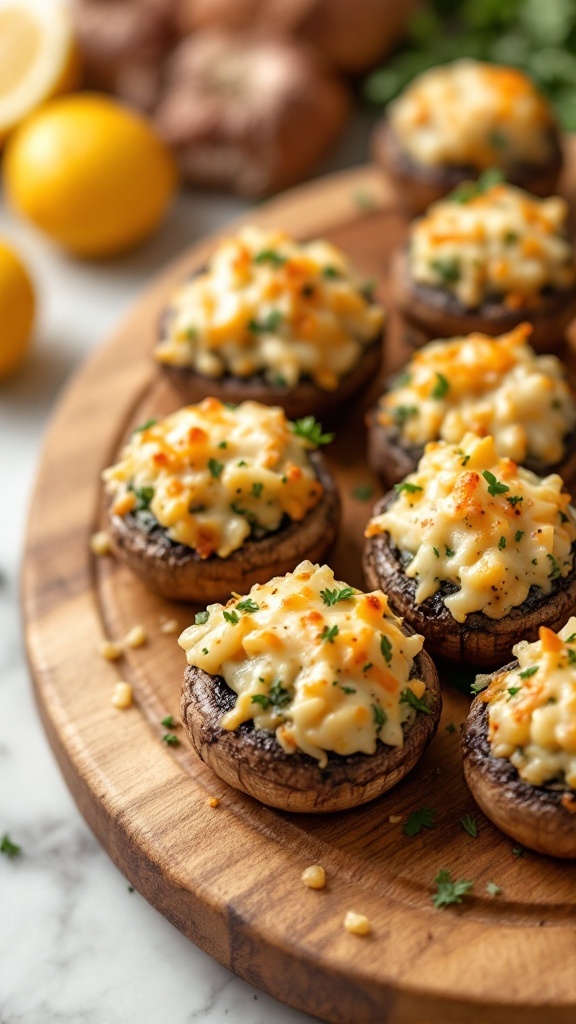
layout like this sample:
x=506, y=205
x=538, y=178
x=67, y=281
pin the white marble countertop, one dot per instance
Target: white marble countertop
x=76, y=946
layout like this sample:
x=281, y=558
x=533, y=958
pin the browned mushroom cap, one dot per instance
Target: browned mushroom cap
x=248, y=114
x=393, y=459
x=352, y=35
x=301, y=400
x=252, y=760
x=479, y=640
x=418, y=185
x=435, y=313
x=541, y=818
x=178, y=572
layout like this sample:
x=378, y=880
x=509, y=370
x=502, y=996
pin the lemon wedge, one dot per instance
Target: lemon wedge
x=38, y=58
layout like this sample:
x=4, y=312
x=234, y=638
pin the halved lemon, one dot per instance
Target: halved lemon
x=38, y=58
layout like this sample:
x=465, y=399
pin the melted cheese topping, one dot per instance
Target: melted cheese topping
x=471, y=114
x=493, y=243
x=532, y=709
x=269, y=305
x=324, y=666
x=212, y=475
x=496, y=386
x=481, y=523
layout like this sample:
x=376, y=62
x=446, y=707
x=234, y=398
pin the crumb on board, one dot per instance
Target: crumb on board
x=213, y=802
x=357, y=924
x=136, y=636
x=314, y=877
x=395, y=818
x=168, y=625
x=100, y=543
x=110, y=650
x=122, y=696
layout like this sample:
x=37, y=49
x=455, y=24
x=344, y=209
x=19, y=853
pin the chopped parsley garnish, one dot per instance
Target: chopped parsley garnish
x=448, y=269
x=169, y=722
x=469, y=825
x=450, y=727
x=441, y=387
x=347, y=689
x=518, y=535
x=518, y=851
x=8, y=848
x=170, y=739
x=513, y=690
x=201, y=617
x=448, y=891
x=143, y=495
x=465, y=458
x=279, y=381
x=510, y=237
x=570, y=639
x=379, y=716
x=471, y=189
x=242, y=462
x=331, y=272
x=492, y=889
x=494, y=485
x=497, y=138
x=144, y=426
x=436, y=552
x=555, y=568
x=257, y=489
x=527, y=672
x=223, y=444
x=247, y=605
x=329, y=633
x=409, y=697
x=270, y=256
x=331, y=597
x=309, y=428
x=363, y=492
x=268, y=324
x=502, y=543
x=386, y=648
x=231, y=617
x=409, y=488
x=215, y=468
x=262, y=700
x=449, y=552
x=402, y=379
x=571, y=657
x=401, y=413
x=514, y=499
x=279, y=695
x=479, y=684
x=367, y=666
x=425, y=817
x=204, y=650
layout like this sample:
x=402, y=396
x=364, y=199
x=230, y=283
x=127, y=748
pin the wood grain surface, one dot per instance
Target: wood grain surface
x=229, y=876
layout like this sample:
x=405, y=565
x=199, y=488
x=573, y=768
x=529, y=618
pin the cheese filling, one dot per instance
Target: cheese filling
x=324, y=666
x=213, y=475
x=472, y=519
x=496, y=386
x=493, y=243
x=532, y=709
x=472, y=114
x=266, y=304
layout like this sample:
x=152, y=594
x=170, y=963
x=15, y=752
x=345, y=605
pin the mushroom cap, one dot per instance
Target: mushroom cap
x=479, y=640
x=253, y=761
x=533, y=815
x=178, y=572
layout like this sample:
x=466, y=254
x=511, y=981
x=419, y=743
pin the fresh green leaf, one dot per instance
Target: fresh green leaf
x=170, y=739
x=448, y=891
x=379, y=716
x=270, y=256
x=514, y=499
x=441, y=387
x=144, y=426
x=502, y=543
x=143, y=495
x=409, y=697
x=8, y=848
x=425, y=817
x=279, y=696
x=215, y=468
x=401, y=413
x=513, y=690
x=492, y=889
x=201, y=617
x=448, y=269
x=331, y=597
x=555, y=568
x=469, y=825
x=247, y=605
x=262, y=700
x=268, y=324
x=329, y=633
x=494, y=485
x=309, y=428
x=169, y=722
x=407, y=487
x=386, y=648
x=331, y=272
x=231, y=617
x=518, y=535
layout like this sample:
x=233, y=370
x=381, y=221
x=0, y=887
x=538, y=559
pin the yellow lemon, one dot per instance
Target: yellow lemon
x=38, y=58
x=89, y=173
x=17, y=305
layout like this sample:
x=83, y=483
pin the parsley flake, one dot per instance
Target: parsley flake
x=262, y=700
x=448, y=269
x=331, y=272
x=571, y=657
x=514, y=499
x=425, y=817
x=363, y=492
x=144, y=426
x=329, y=633
x=408, y=487
x=8, y=848
x=331, y=597
x=469, y=825
x=309, y=428
x=215, y=468
x=441, y=387
x=518, y=535
x=512, y=691
x=448, y=891
x=247, y=605
x=401, y=413
x=570, y=639
x=555, y=568
x=494, y=485
x=270, y=256
x=170, y=739
x=231, y=617
x=143, y=495
x=527, y=672
x=449, y=552
x=379, y=716
x=279, y=696
x=518, y=851
x=268, y=324
x=450, y=727
x=169, y=722
x=502, y=543
x=409, y=697
x=257, y=489
x=201, y=617
x=386, y=648
x=492, y=889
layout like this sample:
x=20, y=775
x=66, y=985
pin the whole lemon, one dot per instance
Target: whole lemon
x=17, y=305
x=89, y=173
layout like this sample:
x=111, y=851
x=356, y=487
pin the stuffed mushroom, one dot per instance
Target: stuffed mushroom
x=213, y=499
x=308, y=694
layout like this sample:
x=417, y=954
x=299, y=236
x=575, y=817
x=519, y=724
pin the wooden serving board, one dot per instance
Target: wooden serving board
x=229, y=876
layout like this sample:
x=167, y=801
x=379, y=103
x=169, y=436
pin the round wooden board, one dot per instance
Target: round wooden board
x=229, y=877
